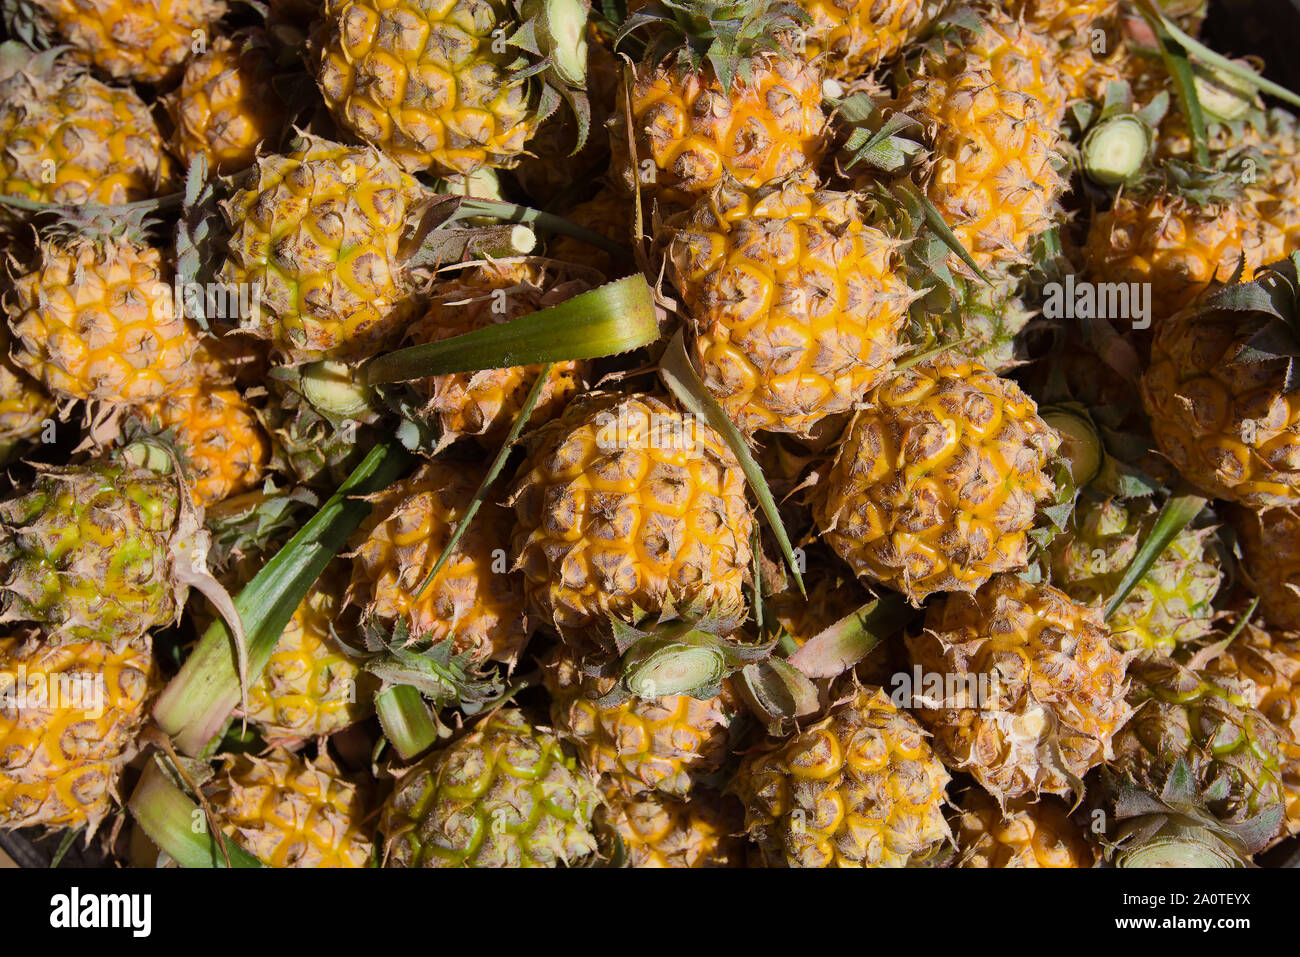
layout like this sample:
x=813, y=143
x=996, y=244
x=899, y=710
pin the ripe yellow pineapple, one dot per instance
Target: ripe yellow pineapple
x=860, y=788
x=991, y=104
x=311, y=687
x=1026, y=834
x=795, y=303
x=626, y=507
x=504, y=795
x=226, y=106
x=317, y=232
x=68, y=718
x=433, y=85
x=690, y=125
x=659, y=744
x=1084, y=58
x=852, y=37
x=65, y=137
x=1270, y=558
x=485, y=403
x=475, y=602
x=24, y=406
x=1218, y=394
x=141, y=40
x=937, y=479
x=654, y=830
x=1028, y=689
x=1269, y=665
x=288, y=811
x=217, y=436
x=96, y=319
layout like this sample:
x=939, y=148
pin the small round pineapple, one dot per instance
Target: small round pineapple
x=65, y=137
x=654, y=830
x=222, y=446
x=311, y=687
x=504, y=795
x=661, y=744
x=427, y=81
x=1027, y=834
x=1268, y=666
x=485, y=403
x=317, y=232
x=796, y=304
x=68, y=718
x=140, y=40
x=1169, y=606
x=1028, y=688
x=288, y=811
x=936, y=482
x=97, y=320
x=92, y=552
x=226, y=106
x=860, y=788
x=1270, y=557
x=1207, y=721
x=1217, y=393
x=474, y=601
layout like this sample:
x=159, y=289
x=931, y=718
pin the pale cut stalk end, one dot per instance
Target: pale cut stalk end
x=673, y=669
x=1116, y=150
x=332, y=389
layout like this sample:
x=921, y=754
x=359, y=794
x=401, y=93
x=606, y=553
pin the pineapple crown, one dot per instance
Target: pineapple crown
x=1271, y=307
x=726, y=36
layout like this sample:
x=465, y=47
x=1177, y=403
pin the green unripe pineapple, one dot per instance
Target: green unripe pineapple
x=1169, y=606
x=504, y=795
x=96, y=551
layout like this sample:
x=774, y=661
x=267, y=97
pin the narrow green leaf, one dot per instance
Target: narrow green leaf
x=1174, y=516
x=177, y=825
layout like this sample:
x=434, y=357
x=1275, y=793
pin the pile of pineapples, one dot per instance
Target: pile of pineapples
x=522, y=432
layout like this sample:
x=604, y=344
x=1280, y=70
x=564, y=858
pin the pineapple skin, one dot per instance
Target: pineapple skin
x=853, y=37
x=625, y=507
x=860, y=788
x=655, y=830
x=473, y=602
x=905, y=502
x=1025, y=834
x=796, y=304
x=59, y=763
x=288, y=811
x=1050, y=694
x=421, y=80
x=505, y=795
x=1270, y=546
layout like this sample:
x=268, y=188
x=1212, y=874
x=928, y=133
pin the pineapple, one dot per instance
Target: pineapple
x=1169, y=607
x=663, y=744
x=68, y=719
x=1209, y=722
x=626, y=507
x=226, y=106
x=65, y=137
x=98, y=552
x=485, y=404
x=655, y=830
x=1031, y=691
x=1218, y=393
x=992, y=106
x=1179, y=237
x=141, y=40
x=504, y=795
x=796, y=304
x=431, y=83
x=1026, y=834
x=217, y=437
x=1275, y=196
x=860, y=788
x=1081, y=55
x=96, y=319
x=1268, y=665
x=853, y=37
x=288, y=811
x=311, y=687
x=474, y=601
x=717, y=94
x=1270, y=558
x=25, y=408
x=935, y=483
x=317, y=232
